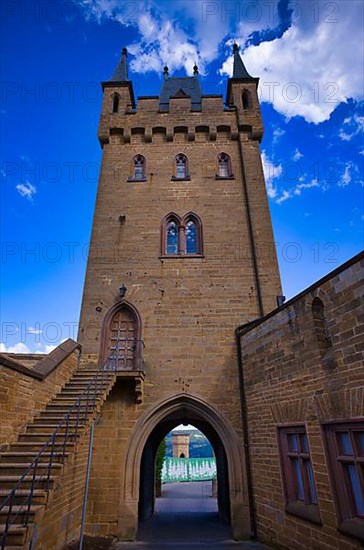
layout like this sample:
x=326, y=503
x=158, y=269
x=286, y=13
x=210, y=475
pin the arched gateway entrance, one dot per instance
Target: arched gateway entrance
x=150, y=429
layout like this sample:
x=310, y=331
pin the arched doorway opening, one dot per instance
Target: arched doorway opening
x=147, y=492
x=184, y=506
x=152, y=427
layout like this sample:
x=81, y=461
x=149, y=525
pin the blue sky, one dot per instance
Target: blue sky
x=309, y=58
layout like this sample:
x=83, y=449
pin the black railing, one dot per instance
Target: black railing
x=65, y=432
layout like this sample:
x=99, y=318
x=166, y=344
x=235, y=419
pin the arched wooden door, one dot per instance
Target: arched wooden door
x=122, y=339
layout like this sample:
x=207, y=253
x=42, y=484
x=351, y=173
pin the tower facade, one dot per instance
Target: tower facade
x=182, y=252
x=181, y=445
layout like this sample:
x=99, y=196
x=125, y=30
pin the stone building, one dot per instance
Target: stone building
x=180, y=444
x=182, y=253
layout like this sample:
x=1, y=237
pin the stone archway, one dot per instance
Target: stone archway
x=233, y=497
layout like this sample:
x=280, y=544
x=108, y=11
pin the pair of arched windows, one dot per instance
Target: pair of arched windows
x=181, y=167
x=181, y=236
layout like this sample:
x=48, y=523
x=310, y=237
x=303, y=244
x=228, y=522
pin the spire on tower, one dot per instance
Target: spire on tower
x=121, y=71
x=239, y=70
x=195, y=69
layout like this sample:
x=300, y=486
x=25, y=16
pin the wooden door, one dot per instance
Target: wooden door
x=122, y=339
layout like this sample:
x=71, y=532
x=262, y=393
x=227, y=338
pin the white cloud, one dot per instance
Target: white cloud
x=278, y=133
x=271, y=172
x=26, y=190
x=356, y=126
x=297, y=155
x=163, y=39
x=361, y=152
x=346, y=177
x=168, y=46
x=344, y=136
x=298, y=189
x=20, y=347
x=34, y=330
x=307, y=71
x=285, y=195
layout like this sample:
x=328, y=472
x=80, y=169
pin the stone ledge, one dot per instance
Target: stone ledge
x=46, y=365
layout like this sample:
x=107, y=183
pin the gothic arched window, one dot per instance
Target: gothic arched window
x=191, y=238
x=181, y=169
x=181, y=237
x=172, y=238
x=139, y=165
x=115, y=103
x=224, y=162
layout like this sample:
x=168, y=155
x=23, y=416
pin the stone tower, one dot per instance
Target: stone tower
x=182, y=252
x=181, y=444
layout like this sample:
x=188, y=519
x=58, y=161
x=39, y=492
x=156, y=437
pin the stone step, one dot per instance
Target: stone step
x=43, y=436
x=74, y=392
x=69, y=402
x=53, y=407
x=19, y=468
x=8, y=482
x=15, y=537
x=56, y=419
x=50, y=427
x=84, y=375
x=35, y=446
x=21, y=495
x=20, y=512
x=28, y=456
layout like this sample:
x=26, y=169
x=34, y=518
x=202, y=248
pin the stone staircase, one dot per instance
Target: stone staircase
x=29, y=501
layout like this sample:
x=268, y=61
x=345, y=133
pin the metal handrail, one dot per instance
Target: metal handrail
x=88, y=401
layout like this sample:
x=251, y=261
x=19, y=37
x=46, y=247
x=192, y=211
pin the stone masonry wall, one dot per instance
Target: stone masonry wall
x=288, y=382
x=61, y=522
x=22, y=396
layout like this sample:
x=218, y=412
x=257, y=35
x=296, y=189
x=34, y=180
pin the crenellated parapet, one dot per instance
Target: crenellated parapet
x=163, y=118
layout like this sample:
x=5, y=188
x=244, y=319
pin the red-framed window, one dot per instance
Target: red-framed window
x=181, y=236
x=345, y=456
x=297, y=473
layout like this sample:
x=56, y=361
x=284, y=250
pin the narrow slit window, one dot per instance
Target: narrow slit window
x=139, y=167
x=181, y=167
x=224, y=162
x=246, y=100
x=115, y=103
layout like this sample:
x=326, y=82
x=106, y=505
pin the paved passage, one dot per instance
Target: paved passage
x=186, y=518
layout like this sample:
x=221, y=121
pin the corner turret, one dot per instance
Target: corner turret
x=242, y=93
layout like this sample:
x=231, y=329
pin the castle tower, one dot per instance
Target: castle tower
x=181, y=253
x=181, y=444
